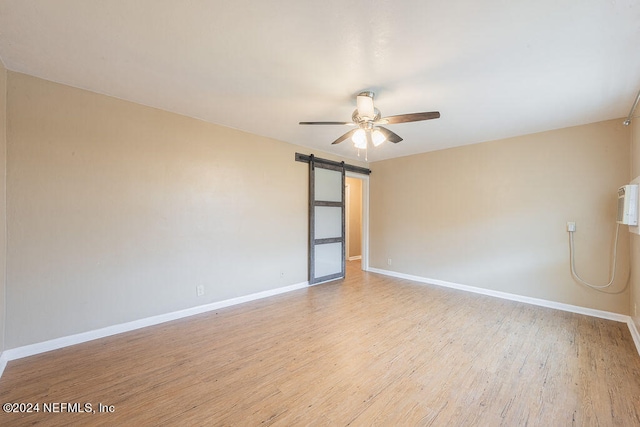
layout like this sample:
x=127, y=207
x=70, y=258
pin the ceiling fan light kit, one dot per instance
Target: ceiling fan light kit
x=367, y=118
x=359, y=139
x=378, y=137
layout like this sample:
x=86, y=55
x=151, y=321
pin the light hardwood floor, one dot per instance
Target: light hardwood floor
x=368, y=350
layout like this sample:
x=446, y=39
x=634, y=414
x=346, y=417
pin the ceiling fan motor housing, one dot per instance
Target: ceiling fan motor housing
x=365, y=121
x=365, y=108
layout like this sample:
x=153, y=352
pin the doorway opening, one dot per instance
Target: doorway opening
x=356, y=219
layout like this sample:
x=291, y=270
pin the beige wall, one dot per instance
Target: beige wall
x=355, y=217
x=117, y=211
x=634, y=305
x=3, y=200
x=493, y=215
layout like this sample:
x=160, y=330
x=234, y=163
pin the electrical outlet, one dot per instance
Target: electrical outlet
x=281, y=273
x=200, y=290
x=571, y=226
x=389, y=261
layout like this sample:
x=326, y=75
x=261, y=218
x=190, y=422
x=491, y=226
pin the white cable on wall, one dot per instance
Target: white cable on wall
x=573, y=266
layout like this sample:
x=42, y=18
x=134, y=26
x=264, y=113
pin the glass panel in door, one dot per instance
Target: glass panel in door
x=326, y=222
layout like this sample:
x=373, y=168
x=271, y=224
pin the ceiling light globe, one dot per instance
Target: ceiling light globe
x=359, y=139
x=378, y=138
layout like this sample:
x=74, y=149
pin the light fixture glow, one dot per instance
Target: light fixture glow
x=359, y=139
x=378, y=137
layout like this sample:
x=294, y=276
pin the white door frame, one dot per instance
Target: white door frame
x=347, y=201
x=365, y=216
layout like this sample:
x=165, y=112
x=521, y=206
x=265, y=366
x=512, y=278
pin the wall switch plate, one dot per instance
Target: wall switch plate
x=571, y=226
x=200, y=290
x=389, y=261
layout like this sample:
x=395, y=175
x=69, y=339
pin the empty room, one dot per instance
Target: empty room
x=319, y=213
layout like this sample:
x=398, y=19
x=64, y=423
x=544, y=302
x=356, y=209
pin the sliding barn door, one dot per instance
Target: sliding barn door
x=326, y=222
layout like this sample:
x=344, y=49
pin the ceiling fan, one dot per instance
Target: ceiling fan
x=368, y=123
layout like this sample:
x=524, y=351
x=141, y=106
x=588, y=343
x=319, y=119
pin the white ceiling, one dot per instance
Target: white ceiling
x=493, y=68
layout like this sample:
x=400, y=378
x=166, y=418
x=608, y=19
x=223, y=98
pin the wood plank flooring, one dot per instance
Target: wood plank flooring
x=368, y=350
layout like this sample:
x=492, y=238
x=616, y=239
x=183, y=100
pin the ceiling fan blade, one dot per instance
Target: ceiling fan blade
x=390, y=136
x=328, y=123
x=412, y=117
x=345, y=136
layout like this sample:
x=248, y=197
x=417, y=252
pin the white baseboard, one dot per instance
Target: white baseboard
x=634, y=333
x=54, y=344
x=355, y=258
x=520, y=298
x=3, y=362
